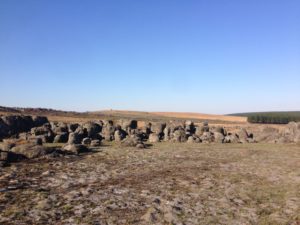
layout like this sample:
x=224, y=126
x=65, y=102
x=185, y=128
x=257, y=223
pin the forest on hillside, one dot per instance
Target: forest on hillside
x=271, y=117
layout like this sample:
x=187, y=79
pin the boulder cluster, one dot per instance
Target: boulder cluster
x=25, y=136
x=290, y=133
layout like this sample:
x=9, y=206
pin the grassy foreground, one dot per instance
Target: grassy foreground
x=165, y=184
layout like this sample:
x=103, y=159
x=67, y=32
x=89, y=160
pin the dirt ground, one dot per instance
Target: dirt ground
x=165, y=184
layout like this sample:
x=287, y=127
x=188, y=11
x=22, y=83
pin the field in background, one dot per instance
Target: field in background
x=65, y=116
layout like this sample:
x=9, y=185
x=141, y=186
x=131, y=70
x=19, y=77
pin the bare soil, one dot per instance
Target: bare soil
x=165, y=184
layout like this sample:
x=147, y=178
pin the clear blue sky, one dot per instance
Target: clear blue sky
x=211, y=56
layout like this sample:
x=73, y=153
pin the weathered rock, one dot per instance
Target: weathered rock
x=31, y=151
x=189, y=127
x=92, y=129
x=191, y=139
x=207, y=137
x=7, y=144
x=291, y=133
x=95, y=143
x=76, y=148
x=61, y=138
x=39, y=120
x=179, y=136
x=218, y=137
x=242, y=135
x=9, y=156
x=45, y=131
x=158, y=128
x=153, y=138
x=74, y=138
x=267, y=134
x=86, y=141
x=167, y=132
x=131, y=141
x=72, y=127
x=231, y=138
x=108, y=131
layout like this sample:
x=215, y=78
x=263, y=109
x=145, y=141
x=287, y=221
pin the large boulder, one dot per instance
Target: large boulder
x=86, y=141
x=243, y=135
x=95, y=143
x=60, y=128
x=72, y=127
x=132, y=141
x=129, y=125
x=7, y=157
x=61, y=138
x=153, y=138
x=108, y=130
x=218, y=137
x=74, y=138
x=44, y=132
x=189, y=127
x=119, y=134
x=179, y=136
x=167, y=132
x=31, y=151
x=92, y=129
x=291, y=133
x=267, y=134
x=39, y=120
x=75, y=148
x=158, y=128
x=207, y=137
x=231, y=138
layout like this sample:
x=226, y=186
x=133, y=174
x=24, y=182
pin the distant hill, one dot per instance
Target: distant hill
x=59, y=115
x=283, y=117
x=173, y=115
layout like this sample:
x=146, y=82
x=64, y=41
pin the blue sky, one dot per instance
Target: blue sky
x=209, y=56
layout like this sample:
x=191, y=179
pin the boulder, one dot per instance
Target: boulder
x=92, y=129
x=132, y=141
x=31, y=151
x=179, y=136
x=39, y=120
x=61, y=138
x=167, y=132
x=231, y=138
x=74, y=138
x=108, y=130
x=95, y=143
x=189, y=127
x=72, y=127
x=86, y=141
x=242, y=135
x=191, y=139
x=119, y=135
x=153, y=138
x=7, y=157
x=267, y=134
x=75, y=148
x=218, y=137
x=207, y=137
x=158, y=128
x=45, y=131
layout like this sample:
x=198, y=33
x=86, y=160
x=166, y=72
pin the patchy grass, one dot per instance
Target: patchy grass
x=168, y=183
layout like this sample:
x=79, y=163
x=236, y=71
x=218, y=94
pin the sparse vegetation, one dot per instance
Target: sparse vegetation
x=169, y=183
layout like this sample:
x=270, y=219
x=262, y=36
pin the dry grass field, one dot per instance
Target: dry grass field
x=167, y=183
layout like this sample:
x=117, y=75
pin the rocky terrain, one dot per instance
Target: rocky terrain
x=169, y=183
x=127, y=171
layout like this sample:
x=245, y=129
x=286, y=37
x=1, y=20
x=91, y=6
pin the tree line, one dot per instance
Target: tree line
x=271, y=117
